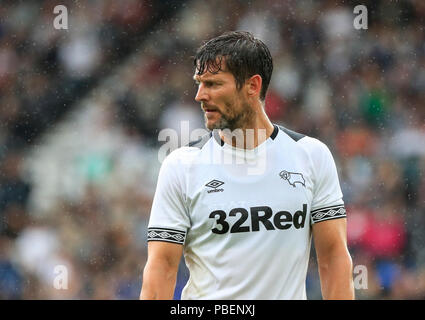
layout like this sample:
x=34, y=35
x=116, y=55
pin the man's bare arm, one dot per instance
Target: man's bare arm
x=335, y=264
x=160, y=273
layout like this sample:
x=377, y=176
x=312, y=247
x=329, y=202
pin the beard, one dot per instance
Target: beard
x=232, y=120
x=225, y=122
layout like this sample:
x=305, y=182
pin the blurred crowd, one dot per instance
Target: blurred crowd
x=362, y=92
x=43, y=72
x=43, y=69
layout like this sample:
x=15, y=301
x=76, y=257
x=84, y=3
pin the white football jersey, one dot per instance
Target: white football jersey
x=245, y=217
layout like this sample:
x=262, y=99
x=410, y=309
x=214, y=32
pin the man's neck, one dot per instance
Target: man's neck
x=250, y=135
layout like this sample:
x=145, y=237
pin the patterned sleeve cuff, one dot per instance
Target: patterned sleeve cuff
x=327, y=213
x=166, y=234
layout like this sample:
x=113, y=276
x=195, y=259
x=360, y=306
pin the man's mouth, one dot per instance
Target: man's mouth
x=211, y=114
x=209, y=110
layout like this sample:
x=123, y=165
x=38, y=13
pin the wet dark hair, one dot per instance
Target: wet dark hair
x=244, y=56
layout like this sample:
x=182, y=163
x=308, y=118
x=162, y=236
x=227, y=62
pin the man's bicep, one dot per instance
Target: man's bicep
x=335, y=265
x=330, y=235
x=165, y=252
x=159, y=275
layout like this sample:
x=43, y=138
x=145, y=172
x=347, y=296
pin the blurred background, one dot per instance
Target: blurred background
x=81, y=110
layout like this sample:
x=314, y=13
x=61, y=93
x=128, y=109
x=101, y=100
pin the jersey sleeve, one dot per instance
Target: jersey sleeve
x=327, y=195
x=169, y=218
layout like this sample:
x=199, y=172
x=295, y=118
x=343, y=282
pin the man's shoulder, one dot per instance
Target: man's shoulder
x=186, y=154
x=312, y=146
x=295, y=136
x=200, y=142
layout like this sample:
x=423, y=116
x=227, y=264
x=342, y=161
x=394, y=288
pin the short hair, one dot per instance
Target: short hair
x=243, y=54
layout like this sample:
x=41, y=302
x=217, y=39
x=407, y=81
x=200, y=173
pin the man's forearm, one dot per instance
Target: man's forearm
x=159, y=283
x=336, y=277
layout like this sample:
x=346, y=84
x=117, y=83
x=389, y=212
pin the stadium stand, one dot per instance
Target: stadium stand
x=80, y=115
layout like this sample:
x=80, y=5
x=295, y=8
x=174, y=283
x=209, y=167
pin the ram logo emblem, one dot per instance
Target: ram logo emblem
x=292, y=177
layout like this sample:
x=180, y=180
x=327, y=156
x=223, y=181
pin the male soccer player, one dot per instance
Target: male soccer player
x=245, y=224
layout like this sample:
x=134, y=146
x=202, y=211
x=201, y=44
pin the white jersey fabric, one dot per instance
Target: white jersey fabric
x=245, y=217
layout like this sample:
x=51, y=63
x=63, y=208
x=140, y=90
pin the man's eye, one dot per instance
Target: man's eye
x=206, y=84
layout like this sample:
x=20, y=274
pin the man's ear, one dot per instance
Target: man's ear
x=254, y=85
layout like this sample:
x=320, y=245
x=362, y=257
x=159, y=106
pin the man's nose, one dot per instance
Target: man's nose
x=202, y=94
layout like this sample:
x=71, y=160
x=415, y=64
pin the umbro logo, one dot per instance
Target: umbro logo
x=213, y=185
x=292, y=177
